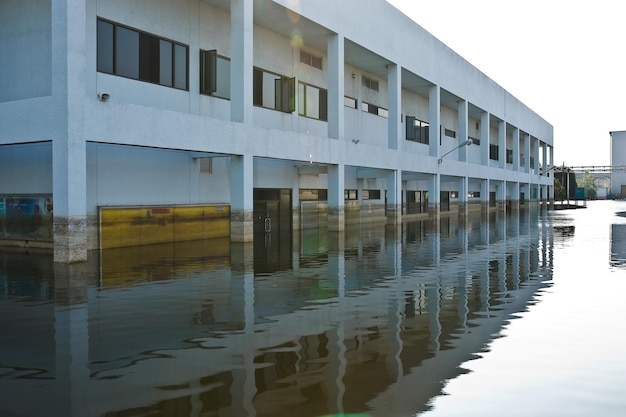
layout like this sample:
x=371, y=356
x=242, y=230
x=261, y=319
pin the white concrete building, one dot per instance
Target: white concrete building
x=618, y=159
x=264, y=113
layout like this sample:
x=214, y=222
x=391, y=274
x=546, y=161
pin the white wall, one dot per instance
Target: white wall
x=123, y=175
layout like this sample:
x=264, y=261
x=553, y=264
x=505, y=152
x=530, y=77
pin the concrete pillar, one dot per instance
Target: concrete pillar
x=463, y=199
x=295, y=200
x=501, y=195
x=394, y=82
x=484, y=139
x=434, y=120
x=484, y=195
x=394, y=197
x=515, y=190
x=462, y=110
x=69, y=152
x=241, y=198
x=526, y=140
x=336, y=214
x=535, y=143
x=502, y=144
x=241, y=60
x=335, y=87
x=516, y=160
x=434, y=197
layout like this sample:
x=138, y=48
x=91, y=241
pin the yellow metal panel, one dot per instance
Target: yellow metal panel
x=132, y=226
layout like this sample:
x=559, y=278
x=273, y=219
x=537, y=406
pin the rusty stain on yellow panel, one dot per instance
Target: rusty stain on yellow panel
x=131, y=226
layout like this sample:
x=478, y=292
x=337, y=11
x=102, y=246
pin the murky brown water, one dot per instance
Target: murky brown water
x=517, y=315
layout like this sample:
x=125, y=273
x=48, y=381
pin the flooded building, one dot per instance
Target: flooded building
x=128, y=123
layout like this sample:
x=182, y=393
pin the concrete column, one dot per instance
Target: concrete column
x=462, y=110
x=241, y=60
x=536, y=155
x=502, y=144
x=295, y=200
x=394, y=197
x=527, y=155
x=434, y=120
x=336, y=214
x=434, y=197
x=484, y=195
x=394, y=81
x=544, y=159
x=463, y=200
x=516, y=150
x=515, y=189
x=484, y=139
x=335, y=87
x=501, y=195
x=241, y=198
x=69, y=152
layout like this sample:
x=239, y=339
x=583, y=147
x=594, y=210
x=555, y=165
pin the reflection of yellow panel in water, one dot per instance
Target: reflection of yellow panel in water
x=132, y=226
x=134, y=265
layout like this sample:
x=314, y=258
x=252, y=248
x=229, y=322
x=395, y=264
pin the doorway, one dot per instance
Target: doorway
x=272, y=230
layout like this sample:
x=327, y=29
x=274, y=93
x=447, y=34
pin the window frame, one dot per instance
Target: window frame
x=322, y=102
x=144, y=38
x=416, y=130
x=284, y=91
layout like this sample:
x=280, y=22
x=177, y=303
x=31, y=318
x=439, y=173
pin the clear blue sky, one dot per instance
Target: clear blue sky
x=565, y=60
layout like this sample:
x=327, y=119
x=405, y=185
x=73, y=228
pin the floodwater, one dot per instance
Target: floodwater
x=517, y=315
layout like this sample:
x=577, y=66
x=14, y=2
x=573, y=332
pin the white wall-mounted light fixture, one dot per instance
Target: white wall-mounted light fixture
x=466, y=143
x=103, y=96
x=355, y=141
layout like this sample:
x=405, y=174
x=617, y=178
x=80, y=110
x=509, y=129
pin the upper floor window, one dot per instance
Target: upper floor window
x=310, y=59
x=493, y=152
x=416, y=130
x=214, y=74
x=274, y=91
x=450, y=133
x=141, y=56
x=374, y=109
x=312, y=102
x=509, y=156
x=349, y=102
x=369, y=83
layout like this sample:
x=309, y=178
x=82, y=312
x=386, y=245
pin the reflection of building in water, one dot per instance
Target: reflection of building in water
x=368, y=319
x=618, y=245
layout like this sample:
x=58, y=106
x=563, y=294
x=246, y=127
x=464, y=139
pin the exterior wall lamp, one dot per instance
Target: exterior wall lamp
x=103, y=96
x=466, y=143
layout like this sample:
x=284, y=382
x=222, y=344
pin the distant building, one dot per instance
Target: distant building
x=135, y=122
x=618, y=158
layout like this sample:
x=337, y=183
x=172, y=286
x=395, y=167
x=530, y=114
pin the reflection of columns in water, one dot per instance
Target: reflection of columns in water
x=243, y=388
x=336, y=335
x=337, y=365
x=396, y=305
x=433, y=292
x=71, y=329
x=462, y=307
